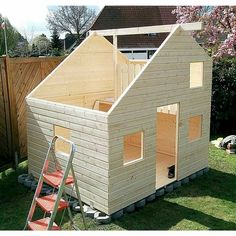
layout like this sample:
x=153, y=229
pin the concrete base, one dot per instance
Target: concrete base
x=76, y=207
x=169, y=188
x=160, y=192
x=140, y=203
x=130, y=208
x=200, y=173
x=177, y=184
x=193, y=176
x=102, y=218
x=117, y=214
x=185, y=180
x=21, y=178
x=151, y=197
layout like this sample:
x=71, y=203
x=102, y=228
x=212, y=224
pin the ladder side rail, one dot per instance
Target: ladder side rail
x=62, y=185
x=78, y=196
x=39, y=187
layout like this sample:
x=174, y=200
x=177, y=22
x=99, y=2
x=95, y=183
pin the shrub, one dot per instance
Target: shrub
x=223, y=107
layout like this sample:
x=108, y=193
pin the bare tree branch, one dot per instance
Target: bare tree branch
x=71, y=19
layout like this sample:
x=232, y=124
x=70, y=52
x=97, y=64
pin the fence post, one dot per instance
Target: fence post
x=13, y=114
x=3, y=82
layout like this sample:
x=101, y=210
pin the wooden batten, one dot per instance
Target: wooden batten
x=148, y=29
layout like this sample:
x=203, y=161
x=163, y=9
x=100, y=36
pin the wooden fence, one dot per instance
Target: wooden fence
x=18, y=76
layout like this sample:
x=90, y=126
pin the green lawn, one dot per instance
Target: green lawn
x=208, y=202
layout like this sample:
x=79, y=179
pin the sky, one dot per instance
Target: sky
x=29, y=16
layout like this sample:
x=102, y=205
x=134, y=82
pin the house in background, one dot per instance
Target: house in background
x=135, y=46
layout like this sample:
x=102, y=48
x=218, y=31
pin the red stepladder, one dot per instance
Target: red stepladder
x=58, y=179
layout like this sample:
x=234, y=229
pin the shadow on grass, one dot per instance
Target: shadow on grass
x=167, y=215
x=10, y=188
x=215, y=184
x=14, y=199
x=163, y=214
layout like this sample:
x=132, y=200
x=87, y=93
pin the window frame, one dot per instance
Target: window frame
x=201, y=72
x=138, y=159
x=200, y=136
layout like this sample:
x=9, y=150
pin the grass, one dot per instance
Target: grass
x=208, y=202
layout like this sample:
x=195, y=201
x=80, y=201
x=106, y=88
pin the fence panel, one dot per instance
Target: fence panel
x=27, y=74
x=4, y=117
x=18, y=77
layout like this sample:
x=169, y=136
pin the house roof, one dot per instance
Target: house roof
x=113, y=17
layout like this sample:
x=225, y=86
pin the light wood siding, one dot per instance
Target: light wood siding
x=126, y=72
x=86, y=77
x=88, y=130
x=164, y=80
x=89, y=74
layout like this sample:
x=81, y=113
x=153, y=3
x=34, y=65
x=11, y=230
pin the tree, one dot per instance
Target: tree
x=34, y=51
x=12, y=36
x=219, y=34
x=43, y=44
x=21, y=49
x=55, y=40
x=71, y=19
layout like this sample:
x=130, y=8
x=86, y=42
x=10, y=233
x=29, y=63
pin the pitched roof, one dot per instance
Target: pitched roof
x=112, y=17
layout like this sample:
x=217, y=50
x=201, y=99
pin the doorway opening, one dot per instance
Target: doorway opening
x=166, y=144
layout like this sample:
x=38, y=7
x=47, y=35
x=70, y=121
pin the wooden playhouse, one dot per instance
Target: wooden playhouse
x=130, y=120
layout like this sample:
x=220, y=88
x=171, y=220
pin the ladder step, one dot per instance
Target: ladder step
x=55, y=178
x=42, y=224
x=47, y=203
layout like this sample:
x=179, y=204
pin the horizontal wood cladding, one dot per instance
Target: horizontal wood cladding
x=88, y=130
x=165, y=80
x=89, y=74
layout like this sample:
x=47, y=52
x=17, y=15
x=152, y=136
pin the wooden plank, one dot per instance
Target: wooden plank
x=13, y=111
x=148, y=29
x=5, y=121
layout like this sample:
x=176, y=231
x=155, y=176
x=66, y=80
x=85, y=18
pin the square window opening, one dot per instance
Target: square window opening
x=196, y=74
x=60, y=146
x=195, y=128
x=133, y=147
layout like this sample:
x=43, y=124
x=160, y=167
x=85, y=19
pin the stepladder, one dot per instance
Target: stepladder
x=58, y=178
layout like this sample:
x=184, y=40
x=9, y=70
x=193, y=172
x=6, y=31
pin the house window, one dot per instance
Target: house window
x=150, y=53
x=196, y=74
x=133, y=147
x=60, y=146
x=195, y=128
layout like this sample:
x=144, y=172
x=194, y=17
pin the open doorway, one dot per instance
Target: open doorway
x=166, y=144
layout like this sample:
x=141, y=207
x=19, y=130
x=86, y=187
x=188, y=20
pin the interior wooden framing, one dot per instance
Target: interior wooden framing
x=95, y=75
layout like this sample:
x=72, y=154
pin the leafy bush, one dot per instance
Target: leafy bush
x=223, y=110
